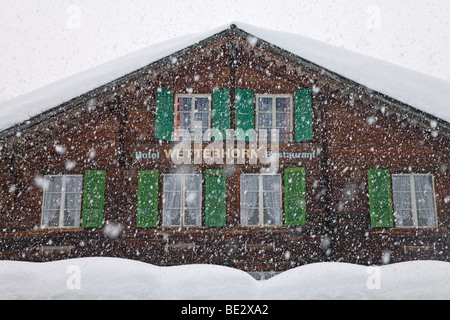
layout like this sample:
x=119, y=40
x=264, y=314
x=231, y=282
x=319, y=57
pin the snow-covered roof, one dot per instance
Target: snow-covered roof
x=423, y=92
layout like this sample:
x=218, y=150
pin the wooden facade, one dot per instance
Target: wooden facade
x=354, y=130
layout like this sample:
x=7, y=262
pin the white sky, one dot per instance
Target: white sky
x=43, y=41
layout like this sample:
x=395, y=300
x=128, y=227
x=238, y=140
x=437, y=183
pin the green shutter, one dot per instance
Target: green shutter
x=381, y=213
x=221, y=110
x=216, y=197
x=164, y=114
x=303, y=115
x=93, y=198
x=245, y=113
x=295, y=196
x=147, y=202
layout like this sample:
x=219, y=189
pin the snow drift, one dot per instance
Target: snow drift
x=114, y=278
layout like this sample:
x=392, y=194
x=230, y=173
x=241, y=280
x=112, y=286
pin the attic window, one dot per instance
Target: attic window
x=191, y=112
x=274, y=112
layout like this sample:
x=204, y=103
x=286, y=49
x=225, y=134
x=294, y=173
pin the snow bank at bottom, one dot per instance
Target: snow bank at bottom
x=113, y=278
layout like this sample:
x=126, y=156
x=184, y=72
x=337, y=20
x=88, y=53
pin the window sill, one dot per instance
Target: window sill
x=59, y=229
x=408, y=229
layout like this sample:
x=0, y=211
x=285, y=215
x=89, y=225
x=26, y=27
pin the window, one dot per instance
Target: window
x=62, y=201
x=260, y=200
x=414, y=200
x=191, y=110
x=274, y=112
x=182, y=200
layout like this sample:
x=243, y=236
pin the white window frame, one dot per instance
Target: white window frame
x=192, y=126
x=261, y=201
x=274, y=113
x=182, y=200
x=62, y=201
x=412, y=193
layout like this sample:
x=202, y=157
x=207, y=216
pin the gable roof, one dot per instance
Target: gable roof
x=411, y=93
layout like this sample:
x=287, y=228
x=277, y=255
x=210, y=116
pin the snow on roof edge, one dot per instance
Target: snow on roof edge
x=35, y=102
x=423, y=92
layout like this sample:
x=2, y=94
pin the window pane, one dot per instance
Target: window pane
x=201, y=104
x=171, y=217
x=265, y=104
x=272, y=182
x=425, y=200
x=282, y=104
x=172, y=182
x=265, y=131
x=250, y=199
x=186, y=104
x=402, y=200
x=73, y=201
x=426, y=218
x=403, y=218
x=202, y=118
x=250, y=182
x=74, y=184
x=71, y=218
x=265, y=120
x=401, y=183
x=192, y=217
x=271, y=200
x=282, y=119
x=54, y=184
x=192, y=199
x=250, y=217
x=172, y=200
x=272, y=217
x=283, y=135
x=270, y=132
x=52, y=201
x=185, y=120
x=423, y=183
x=193, y=182
x=50, y=218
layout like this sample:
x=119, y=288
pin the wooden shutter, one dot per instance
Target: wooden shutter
x=303, y=115
x=221, y=110
x=93, y=198
x=245, y=112
x=381, y=213
x=164, y=114
x=147, y=203
x=295, y=196
x=216, y=197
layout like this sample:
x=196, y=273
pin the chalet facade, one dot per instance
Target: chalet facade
x=167, y=165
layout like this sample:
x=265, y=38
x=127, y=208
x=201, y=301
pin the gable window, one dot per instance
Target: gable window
x=414, y=200
x=182, y=200
x=192, y=110
x=260, y=199
x=62, y=201
x=275, y=112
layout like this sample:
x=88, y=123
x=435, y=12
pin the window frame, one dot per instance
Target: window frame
x=274, y=113
x=412, y=192
x=193, y=97
x=62, y=207
x=182, y=201
x=260, y=201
